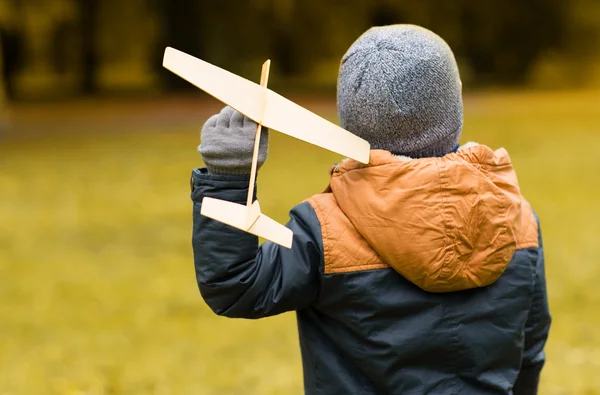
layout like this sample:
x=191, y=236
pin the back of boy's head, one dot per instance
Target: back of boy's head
x=399, y=88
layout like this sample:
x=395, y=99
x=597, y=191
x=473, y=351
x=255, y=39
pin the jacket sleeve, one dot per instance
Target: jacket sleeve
x=536, y=331
x=240, y=279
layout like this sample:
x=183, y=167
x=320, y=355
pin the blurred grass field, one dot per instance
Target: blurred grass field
x=98, y=294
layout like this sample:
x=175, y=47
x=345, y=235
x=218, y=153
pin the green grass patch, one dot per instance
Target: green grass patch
x=99, y=296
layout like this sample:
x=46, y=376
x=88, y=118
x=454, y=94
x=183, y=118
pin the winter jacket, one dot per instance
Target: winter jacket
x=407, y=276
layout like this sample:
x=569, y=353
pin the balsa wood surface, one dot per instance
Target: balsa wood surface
x=233, y=90
x=252, y=215
x=233, y=214
x=273, y=231
x=287, y=117
x=237, y=216
x=264, y=79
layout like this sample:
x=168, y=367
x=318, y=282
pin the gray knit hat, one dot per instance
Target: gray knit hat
x=399, y=88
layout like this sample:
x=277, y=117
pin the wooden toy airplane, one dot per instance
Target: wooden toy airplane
x=268, y=109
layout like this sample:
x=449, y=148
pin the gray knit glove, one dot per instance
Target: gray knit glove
x=227, y=143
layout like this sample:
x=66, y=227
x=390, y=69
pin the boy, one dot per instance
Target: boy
x=420, y=273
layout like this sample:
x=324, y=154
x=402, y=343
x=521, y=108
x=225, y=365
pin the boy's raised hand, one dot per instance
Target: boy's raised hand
x=227, y=143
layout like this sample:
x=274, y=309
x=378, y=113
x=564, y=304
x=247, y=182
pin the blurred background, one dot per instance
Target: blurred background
x=97, y=142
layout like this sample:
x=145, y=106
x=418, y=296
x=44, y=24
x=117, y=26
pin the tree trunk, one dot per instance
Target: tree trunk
x=184, y=28
x=88, y=10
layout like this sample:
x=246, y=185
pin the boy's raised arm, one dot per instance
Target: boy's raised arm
x=236, y=276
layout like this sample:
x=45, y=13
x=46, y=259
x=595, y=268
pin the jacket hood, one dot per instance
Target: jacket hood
x=445, y=224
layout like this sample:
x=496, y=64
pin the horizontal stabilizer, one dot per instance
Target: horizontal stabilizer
x=244, y=218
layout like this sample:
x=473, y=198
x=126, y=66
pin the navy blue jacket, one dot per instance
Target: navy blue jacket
x=372, y=328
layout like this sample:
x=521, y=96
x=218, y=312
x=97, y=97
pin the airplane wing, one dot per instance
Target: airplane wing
x=287, y=117
x=233, y=90
x=265, y=106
